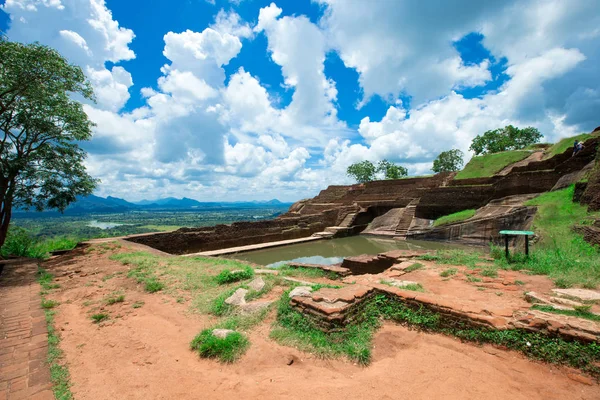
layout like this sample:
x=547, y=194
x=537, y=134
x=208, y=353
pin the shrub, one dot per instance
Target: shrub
x=97, y=318
x=229, y=276
x=448, y=272
x=227, y=349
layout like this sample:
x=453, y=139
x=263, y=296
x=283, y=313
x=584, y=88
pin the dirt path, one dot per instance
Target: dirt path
x=143, y=353
x=23, y=335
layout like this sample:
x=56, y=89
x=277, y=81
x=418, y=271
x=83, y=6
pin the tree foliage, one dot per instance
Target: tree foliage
x=448, y=161
x=391, y=170
x=503, y=139
x=41, y=163
x=366, y=171
x=363, y=171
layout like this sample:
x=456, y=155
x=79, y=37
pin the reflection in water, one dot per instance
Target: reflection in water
x=103, y=225
x=332, y=251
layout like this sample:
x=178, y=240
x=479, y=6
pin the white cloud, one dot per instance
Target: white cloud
x=84, y=32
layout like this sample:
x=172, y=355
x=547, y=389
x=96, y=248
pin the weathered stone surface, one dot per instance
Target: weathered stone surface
x=257, y=284
x=400, y=284
x=565, y=302
x=222, y=333
x=266, y=271
x=346, y=294
x=301, y=291
x=402, y=266
x=238, y=298
x=367, y=264
x=582, y=295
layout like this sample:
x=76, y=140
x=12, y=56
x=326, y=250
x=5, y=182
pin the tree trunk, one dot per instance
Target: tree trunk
x=5, y=210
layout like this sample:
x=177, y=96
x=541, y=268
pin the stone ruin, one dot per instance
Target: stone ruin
x=403, y=208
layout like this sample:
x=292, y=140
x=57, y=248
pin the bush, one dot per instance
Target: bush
x=229, y=276
x=21, y=243
x=227, y=349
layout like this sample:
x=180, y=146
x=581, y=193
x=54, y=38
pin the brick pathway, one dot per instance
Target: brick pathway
x=24, y=373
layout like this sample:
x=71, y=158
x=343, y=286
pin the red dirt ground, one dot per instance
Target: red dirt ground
x=144, y=354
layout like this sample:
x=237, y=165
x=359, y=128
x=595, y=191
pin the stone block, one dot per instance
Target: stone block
x=238, y=298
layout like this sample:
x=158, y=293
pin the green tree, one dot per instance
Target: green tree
x=362, y=171
x=448, y=161
x=41, y=163
x=391, y=170
x=503, y=139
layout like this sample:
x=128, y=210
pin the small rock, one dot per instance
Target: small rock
x=257, y=284
x=222, y=333
x=302, y=291
x=255, y=306
x=565, y=302
x=238, y=298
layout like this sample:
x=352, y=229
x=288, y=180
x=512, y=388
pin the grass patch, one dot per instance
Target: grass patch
x=581, y=313
x=565, y=144
x=471, y=278
x=448, y=272
x=97, y=318
x=490, y=164
x=227, y=349
x=138, y=304
x=560, y=253
x=230, y=276
x=453, y=218
x=49, y=304
x=59, y=373
x=303, y=272
x=413, y=267
x=490, y=273
x=22, y=243
x=144, y=271
x=115, y=299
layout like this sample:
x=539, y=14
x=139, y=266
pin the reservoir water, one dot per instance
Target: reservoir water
x=333, y=251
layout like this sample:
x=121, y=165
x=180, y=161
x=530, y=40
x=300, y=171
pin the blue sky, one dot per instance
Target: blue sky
x=249, y=99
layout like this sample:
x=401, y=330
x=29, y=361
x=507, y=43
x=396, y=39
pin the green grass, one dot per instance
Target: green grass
x=565, y=144
x=144, y=271
x=303, y=272
x=138, y=304
x=560, y=253
x=489, y=272
x=581, y=313
x=97, y=318
x=448, y=272
x=21, y=243
x=413, y=267
x=490, y=164
x=115, y=299
x=472, y=278
x=453, y=218
x=59, y=373
x=227, y=349
x=48, y=304
x=230, y=276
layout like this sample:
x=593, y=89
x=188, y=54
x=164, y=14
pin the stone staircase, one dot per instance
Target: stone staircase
x=406, y=219
x=331, y=231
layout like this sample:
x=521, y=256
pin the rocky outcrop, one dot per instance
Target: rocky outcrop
x=591, y=193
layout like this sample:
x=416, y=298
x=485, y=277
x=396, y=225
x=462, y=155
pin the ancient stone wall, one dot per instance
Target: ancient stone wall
x=591, y=192
x=192, y=240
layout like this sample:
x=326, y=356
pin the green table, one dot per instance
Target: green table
x=508, y=234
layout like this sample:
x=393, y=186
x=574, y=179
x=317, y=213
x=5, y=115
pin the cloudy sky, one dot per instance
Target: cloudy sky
x=254, y=100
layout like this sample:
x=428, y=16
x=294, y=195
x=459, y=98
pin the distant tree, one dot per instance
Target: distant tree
x=41, y=163
x=362, y=171
x=391, y=170
x=448, y=161
x=503, y=139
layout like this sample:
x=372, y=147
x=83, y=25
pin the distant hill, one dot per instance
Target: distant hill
x=92, y=204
